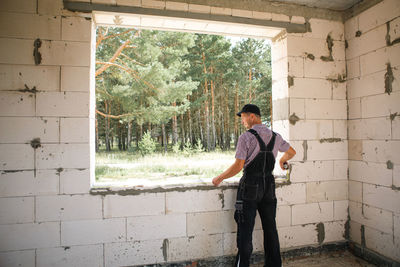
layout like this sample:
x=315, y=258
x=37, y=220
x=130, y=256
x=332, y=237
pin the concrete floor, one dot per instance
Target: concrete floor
x=333, y=259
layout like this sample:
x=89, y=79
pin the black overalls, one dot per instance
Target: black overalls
x=257, y=192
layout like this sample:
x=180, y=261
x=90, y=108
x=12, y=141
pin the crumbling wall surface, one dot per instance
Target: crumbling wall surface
x=48, y=217
x=373, y=86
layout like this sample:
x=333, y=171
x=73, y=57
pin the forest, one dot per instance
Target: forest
x=177, y=87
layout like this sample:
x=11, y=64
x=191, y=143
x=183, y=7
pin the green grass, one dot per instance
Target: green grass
x=124, y=165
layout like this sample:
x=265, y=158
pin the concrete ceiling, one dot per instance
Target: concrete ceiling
x=338, y=5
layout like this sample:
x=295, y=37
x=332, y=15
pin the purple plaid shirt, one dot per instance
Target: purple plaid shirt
x=248, y=147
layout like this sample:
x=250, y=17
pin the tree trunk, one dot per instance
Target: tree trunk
x=97, y=133
x=183, y=132
x=200, y=127
x=190, y=126
x=236, y=130
x=213, y=143
x=164, y=140
x=129, y=138
x=206, y=111
x=174, y=127
x=107, y=127
x=250, y=93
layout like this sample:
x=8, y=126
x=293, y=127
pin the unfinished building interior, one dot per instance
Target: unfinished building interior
x=336, y=98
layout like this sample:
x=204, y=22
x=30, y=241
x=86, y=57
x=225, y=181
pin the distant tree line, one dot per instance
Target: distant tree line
x=181, y=87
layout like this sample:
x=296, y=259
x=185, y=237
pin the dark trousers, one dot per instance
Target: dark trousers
x=245, y=222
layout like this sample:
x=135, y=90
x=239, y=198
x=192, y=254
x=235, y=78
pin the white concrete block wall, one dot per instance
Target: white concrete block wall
x=374, y=104
x=59, y=222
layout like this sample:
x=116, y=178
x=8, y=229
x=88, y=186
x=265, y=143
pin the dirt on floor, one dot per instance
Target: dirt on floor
x=332, y=259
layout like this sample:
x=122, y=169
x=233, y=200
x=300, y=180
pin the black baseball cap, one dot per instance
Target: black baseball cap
x=249, y=108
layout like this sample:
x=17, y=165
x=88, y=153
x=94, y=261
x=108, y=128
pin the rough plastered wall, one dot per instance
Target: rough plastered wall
x=373, y=67
x=48, y=215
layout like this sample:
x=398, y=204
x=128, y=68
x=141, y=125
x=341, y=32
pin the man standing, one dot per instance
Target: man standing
x=256, y=151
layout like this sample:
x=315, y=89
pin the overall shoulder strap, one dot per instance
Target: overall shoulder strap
x=260, y=141
x=271, y=143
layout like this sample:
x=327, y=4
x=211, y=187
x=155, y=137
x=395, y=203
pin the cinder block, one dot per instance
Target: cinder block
x=396, y=128
x=311, y=171
x=199, y=8
x=299, y=235
x=291, y=194
x=378, y=14
x=29, y=236
x=107, y=2
x=327, y=150
x=19, y=51
x=355, y=149
x=140, y=205
x=24, y=258
x=311, y=130
x=283, y=216
x=297, y=20
x=205, y=223
x=17, y=104
x=93, y=231
x=380, y=242
x=312, y=213
x=340, y=170
x=378, y=219
x=350, y=28
x=297, y=106
x=71, y=256
x=50, y=7
x=326, y=109
x=14, y=129
x=339, y=90
x=281, y=127
x=381, y=197
x=23, y=6
x=340, y=210
x=67, y=208
x=327, y=191
x=65, y=156
x=280, y=68
x=229, y=199
x=396, y=176
x=316, y=48
x=381, y=151
x=367, y=85
x=242, y=13
x=176, y=6
x=370, y=172
x=230, y=246
x=75, y=79
x=321, y=28
x=76, y=29
x=334, y=231
x=62, y=104
x=65, y=53
x=258, y=241
x=375, y=128
x=153, y=4
x=197, y=247
x=16, y=210
x=263, y=15
x=74, y=181
x=280, y=89
x=24, y=183
x=396, y=224
x=15, y=77
x=278, y=52
x=281, y=109
x=355, y=191
x=136, y=3
x=355, y=232
x=295, y=67
x=30, y=26
x=354, y=108
x=310, y=88
x=135, y=253
x=353, y=68
x=74, y=130
x=367, y=42
x=321, y=69
x=193, y=201
x=301, y=150
x=377, y=60
x=16, y=157
x=379, y=105
x=394, y=29
x=156, y=227
x=280, y=17
x=340, y=129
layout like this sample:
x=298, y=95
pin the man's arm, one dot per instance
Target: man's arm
x=287, y=156
x=234, y=169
